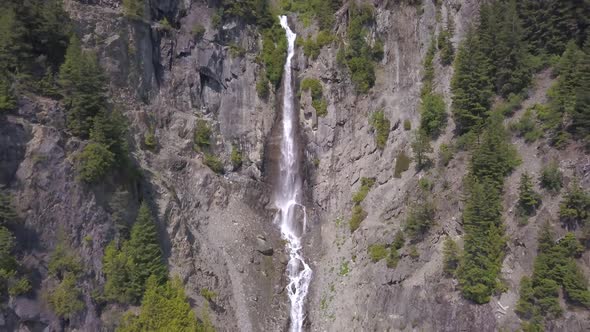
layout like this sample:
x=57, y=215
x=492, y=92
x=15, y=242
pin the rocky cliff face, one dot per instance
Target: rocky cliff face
x=218, y=231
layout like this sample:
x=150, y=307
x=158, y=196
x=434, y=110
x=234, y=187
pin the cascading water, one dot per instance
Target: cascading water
x=288, y=196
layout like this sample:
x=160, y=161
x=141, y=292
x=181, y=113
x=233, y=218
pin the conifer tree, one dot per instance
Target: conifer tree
x=581, y=110
x=163, y=308
x=116, y=270
x=494, y=157
x=83, y=86
x=471, y=85
x=7, y=98
x=528, y=199
x=7, y=213
x=450, y=257
x=422, y=148
x=512, y=73
x=11, y=43
x=574, y=209
x=144, y=252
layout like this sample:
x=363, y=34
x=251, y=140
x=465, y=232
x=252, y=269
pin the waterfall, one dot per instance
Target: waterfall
x=292, y=214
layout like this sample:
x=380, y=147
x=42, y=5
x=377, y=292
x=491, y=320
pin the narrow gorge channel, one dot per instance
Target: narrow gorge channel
x=288, y=197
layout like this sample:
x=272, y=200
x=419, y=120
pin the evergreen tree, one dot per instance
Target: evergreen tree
x=483, y=243
x=574, y=209
x=163, y=308
x=116, y=270
x=450, y=257
x=84, y=88
x=64, y=300
x=12, y=47
x=581, y=110
x=528, y=199
x=94, y=162
x=7, y=98
x=471, y=84
x=110, y=129
x=433, y=114
x=494, y=157
x=512, y=73
x=144, y=252
x=422, y=148
x=7, y=213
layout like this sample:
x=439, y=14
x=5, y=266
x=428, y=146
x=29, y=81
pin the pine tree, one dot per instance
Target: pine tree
x=7, y=98
x=512, y=72
x=116, y=269
x=471, y=85
x=84, y=88
x=110, y=129
x=163, y=308
x=528, y=199
x=64, y=300
x=144, y=252
x=7, y=213
x=581, y=110
x=494, y=157
x=574, y=209
x=433, y=114
x=450, y=257
x=422, y=148
x=12, y=46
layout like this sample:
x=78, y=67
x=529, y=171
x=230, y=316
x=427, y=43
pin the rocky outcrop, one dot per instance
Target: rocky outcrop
x=217, y=230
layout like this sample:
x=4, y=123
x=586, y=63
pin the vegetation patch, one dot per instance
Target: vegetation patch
x=555, y=268
x=402, y=164
x=317, y=98
x=358, y=214
x=377, y=252
x=381, y=125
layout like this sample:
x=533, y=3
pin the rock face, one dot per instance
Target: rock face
x=218, y=231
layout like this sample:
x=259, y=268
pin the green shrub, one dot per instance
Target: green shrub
x=433, y=114
x=366, y=185
x=447, y=52
x=421, y=148
x=551, y=177
x=358, y=215
x=150, y=141
x=274, y=52
x=7, y=97
x=133, y=8
x=202, y=135
x=262, y=86
x=236, y=51
x=420, y=218
x=407, y=125
x=19, y=287
x=402, y=164
x=344, y=269
x=94, y=162
x=165, y=24
x=236, y=157
x=64, y=300
x=414, y=254
x=392, y=258
x=451, y=257
x=358, y=55
x=312, y=48
x=528, y=199
x=377, y=252
x=214, y=163
x=399, y=240
x=198, y=31
x=208, y=294
x=526, y=127
x=317, y=100
x=574, y=209
x=446, y=154
x=381, y=125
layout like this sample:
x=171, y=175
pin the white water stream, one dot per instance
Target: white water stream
x=292, y=215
